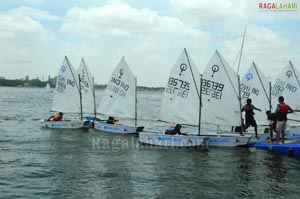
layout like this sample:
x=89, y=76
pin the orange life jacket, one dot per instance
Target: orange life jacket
x=57, y=117
x=284, y=108
x=249, y=109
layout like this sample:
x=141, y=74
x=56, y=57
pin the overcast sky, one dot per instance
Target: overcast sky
x=35, y=35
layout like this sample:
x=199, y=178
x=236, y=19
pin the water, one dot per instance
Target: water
x=45, y=163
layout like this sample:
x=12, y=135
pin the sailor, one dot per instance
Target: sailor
x=56, y=117
x=111, y=120
x=173, y=130
x=282, y=110
x=249, y=115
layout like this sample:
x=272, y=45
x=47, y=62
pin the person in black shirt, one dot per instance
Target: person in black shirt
x=249, y=115
x=272, y=117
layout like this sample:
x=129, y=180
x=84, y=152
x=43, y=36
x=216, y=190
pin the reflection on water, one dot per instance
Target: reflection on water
x=44, y=163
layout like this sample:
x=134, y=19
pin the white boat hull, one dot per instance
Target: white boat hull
x=293, y=132
x=227, y=139
x=172, y=140
x=117, y=128
x=64, y=124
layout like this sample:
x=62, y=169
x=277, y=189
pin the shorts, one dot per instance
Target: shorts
x=281, y=125
x=250, y=121
x=273, y=125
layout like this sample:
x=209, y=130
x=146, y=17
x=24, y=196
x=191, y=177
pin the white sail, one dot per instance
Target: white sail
x=180, y=102
x=220, y=103
x=287, y=85
x=87, y=88
x=255, y=85
x=66, y=95
x=119, y=97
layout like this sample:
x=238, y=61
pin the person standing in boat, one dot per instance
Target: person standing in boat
x=272, y=117
x=282, y=110
x=249, y=115
x=56, y=117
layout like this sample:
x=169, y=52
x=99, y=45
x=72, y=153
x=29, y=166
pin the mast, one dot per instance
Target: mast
x=94, y=98
x=200, y=105
x=270, y=92
x=135, y=102
x=198, y=92
x=241, y=50
x=240, y=102
x=80, y=97
x=239, y=85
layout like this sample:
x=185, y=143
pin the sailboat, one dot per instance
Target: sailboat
x=180, y=104
x=287, y=85
x=255, y=85
x=221, y=105
x=120, y=100
x=66, y=97
x=88, y=95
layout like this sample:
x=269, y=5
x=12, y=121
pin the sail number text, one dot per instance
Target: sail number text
x=61, y=84
x=279, y=87
x=247, y=90
x=118, y=86
x=179, y=87
x=211, y=88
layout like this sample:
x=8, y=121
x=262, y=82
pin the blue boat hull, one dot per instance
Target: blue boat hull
x=290, y=148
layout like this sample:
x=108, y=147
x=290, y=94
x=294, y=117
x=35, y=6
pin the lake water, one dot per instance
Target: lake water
x=45, y=163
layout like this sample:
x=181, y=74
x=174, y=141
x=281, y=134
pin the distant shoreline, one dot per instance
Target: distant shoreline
x=36, y=83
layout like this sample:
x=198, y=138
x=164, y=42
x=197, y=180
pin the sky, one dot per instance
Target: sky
x=35, y=35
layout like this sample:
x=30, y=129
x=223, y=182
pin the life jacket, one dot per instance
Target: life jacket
x=170, y=131
x=56, y=117
x=172, y=128
x=248, y=109
x=284, y=108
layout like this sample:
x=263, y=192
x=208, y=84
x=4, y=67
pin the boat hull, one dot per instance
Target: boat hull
x=227, y=140
x=293, y=132
x=172, y=140
x=290, y=148
x=117, y=128
x=64, y=124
